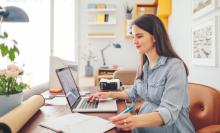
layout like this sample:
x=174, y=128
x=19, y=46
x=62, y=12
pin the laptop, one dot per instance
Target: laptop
x=78, y=103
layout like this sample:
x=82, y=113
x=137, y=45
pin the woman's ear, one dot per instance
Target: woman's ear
x=154, y=39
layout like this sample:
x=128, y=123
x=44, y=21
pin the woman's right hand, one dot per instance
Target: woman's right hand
x=102, y=95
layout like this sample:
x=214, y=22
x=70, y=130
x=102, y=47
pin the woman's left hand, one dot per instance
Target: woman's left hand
x=120, y=120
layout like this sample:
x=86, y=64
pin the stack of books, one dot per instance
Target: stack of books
x=102, y=17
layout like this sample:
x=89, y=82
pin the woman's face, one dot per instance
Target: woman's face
x=143, y=40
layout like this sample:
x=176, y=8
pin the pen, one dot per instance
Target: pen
x=126, y=111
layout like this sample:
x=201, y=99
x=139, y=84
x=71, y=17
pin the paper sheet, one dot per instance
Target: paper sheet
x=56, y=101
x=15, y=119
x=78, y=123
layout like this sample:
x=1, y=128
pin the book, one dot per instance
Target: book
x=106, y=17
x=101, y=34
x=78, y=123
x=101, y=18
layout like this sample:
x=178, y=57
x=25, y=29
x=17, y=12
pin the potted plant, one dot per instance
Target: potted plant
x=128, y=10
x=11, y=92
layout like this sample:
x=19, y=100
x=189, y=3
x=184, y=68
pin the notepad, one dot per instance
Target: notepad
x=78, y=123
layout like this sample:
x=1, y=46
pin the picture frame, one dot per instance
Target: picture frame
x=128, y=23
x=204, y=40
x=200, y=8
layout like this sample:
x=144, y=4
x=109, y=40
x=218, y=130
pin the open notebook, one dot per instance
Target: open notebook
x=78, y=123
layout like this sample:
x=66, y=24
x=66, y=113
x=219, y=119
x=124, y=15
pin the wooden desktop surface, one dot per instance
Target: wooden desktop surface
x=50, y=112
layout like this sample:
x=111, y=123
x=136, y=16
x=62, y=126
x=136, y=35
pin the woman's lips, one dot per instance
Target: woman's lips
x=138, y=47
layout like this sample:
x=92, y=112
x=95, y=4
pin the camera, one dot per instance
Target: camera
x=109, y=84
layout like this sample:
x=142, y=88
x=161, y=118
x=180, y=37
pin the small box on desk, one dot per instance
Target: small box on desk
x=100, y=6
x=91, y=6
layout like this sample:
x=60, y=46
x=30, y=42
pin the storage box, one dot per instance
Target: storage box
x=91, y=6
x=100, y=6
x=146, y=10
x=110, y=6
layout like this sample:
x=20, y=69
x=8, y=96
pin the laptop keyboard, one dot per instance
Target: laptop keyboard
x=89, y=105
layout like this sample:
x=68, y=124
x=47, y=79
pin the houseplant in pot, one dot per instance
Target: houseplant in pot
x=10, y=90
x=128, y=10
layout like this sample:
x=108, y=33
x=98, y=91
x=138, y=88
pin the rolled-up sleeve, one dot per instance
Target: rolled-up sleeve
x=173, y=95
x=132, y=93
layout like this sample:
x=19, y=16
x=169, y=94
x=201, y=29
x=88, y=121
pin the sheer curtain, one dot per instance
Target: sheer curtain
x=33, y=38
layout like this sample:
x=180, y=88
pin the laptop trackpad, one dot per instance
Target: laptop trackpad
x=107, y=103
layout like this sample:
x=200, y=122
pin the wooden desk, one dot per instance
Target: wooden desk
x=50, y=112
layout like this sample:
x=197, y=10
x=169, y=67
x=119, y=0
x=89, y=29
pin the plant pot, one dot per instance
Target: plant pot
x=88, y=70
x=9, y=103
x=128, y=15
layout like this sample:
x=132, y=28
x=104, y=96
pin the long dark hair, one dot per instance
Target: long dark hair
x=153, y=25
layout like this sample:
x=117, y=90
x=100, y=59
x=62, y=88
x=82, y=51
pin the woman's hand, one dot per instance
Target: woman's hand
x=119, y=121
x=103, y=95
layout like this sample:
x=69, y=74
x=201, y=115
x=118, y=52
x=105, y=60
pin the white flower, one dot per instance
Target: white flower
x=21, y=70
x=12, y=67
x=12, y=73
x=2, y=72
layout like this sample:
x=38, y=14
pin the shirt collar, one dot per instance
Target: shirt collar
x=161, y=62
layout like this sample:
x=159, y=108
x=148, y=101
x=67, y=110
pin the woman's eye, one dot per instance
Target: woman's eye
x=139, y=36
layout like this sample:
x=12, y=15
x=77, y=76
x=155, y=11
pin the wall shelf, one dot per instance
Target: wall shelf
x=101, y=10
x=101, y=23
x=101, y=36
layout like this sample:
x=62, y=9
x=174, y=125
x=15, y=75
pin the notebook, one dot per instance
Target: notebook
x=78, y=103
x=78, y=123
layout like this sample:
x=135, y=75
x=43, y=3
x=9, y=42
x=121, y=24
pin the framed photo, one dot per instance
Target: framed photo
x=128, y=32
x=200, y=8
x=204, y=43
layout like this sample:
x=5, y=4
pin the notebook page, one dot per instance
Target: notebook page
x=65, y=121
x=93, y=125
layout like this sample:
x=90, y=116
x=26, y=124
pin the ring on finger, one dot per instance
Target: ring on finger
x=125, y=122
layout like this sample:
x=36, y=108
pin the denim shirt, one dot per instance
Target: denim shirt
x=165, y=88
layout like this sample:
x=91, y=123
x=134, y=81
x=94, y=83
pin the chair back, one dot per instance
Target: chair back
x=204, y=105
x=126, y=76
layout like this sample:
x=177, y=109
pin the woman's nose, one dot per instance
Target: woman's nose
x=135, y=41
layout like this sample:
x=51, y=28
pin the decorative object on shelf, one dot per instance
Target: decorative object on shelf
x=103, y=58
x=200, y=8
x=10, y=90
x=100, y=6
x=128, y=10
x=146, y=10
x=88, y=70
x=204, y=43
x=110, y=6
x=128, y=32
x=91, y=6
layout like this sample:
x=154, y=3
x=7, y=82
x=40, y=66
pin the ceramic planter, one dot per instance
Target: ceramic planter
x=88, y=70
x=128, y=15
x=10, y=102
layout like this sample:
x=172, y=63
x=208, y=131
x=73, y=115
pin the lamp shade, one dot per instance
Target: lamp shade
x=14, y=14
x=117, y=45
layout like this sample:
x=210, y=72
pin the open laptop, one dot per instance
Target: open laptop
x=78, y=103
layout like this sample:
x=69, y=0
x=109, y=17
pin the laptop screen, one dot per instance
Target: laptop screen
x=68, y=85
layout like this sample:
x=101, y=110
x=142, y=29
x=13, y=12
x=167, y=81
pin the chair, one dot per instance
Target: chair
x=204, y=108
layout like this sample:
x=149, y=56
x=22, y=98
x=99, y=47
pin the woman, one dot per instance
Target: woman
x=161, y=80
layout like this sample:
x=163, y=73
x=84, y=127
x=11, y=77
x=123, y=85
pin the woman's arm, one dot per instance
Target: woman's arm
x=119, y=95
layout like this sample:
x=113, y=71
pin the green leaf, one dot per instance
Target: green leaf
x=16, y=50
x=4, y=51
x=1, y=46
x=12, y=54
x=6, y=35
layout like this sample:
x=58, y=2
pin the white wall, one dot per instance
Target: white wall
x=179, y=29
x=126, y=57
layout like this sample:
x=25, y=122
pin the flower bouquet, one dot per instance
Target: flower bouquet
x=8, y=81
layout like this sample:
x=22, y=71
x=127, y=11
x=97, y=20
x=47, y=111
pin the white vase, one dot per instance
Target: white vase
x=9, y=103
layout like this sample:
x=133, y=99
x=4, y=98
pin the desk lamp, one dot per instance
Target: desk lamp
x=13, y=14
x=103, y=58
